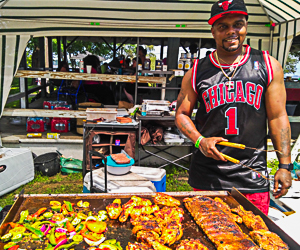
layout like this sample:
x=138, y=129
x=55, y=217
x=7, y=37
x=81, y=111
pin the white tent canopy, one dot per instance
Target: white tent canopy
x=21, y=19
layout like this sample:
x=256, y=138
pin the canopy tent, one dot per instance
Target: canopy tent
x=21, y=19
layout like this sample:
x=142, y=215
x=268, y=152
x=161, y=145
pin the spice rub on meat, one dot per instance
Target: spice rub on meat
x=220, y=227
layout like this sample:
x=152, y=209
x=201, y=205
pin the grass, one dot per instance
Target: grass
x=73, y=184
x=15, y=88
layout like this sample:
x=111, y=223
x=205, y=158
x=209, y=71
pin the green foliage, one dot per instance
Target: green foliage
x=96, y=48
x=177, y=179
x=291, y=63
x=273, y=164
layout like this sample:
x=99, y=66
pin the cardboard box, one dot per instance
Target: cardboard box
x=110, y=114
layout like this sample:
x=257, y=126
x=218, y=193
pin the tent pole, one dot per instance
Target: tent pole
x=199, y=46
x=271, y=42
x=136, y=70
x=162, y=49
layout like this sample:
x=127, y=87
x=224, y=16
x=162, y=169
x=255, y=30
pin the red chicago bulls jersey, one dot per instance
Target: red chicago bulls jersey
x=236, y=111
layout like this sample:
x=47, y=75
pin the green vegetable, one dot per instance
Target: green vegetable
x=48, y=215
x=23, y=216
x=52, y=237
x=17, y=237
x=36, y=231
x=6, y=237
x=109, y=246
x=9, y=245
x=67, y=246
x=35, y=237
x=119, y=246
x=76, y=221
x=102, y=215
x=111, y=241
x=79, y=227
x=56, y=208
x=69, y=206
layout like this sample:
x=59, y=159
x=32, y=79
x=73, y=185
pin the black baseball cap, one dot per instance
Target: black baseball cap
x=223, y=7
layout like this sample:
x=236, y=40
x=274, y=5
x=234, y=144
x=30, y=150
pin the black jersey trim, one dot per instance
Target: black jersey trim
x=226, y=66
x=269, y=66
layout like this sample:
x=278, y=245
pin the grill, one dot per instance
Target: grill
x=123, y=231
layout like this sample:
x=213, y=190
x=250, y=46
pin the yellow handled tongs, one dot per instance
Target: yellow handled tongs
x=242, y=146
x=236, y=161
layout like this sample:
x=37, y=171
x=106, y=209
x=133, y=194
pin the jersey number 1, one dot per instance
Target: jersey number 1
x=231, y=115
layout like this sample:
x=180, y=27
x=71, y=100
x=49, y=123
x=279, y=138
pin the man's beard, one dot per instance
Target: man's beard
x=231, y=49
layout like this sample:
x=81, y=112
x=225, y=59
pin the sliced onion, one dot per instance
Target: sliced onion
x=43, y=228
x=94, y=243
x=72, y=234
x=47, y=230
x=64, y=241
x=91, y=218
x=61, y=230
x=62, y=221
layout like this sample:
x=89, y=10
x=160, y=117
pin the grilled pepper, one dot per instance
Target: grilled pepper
x=16, y=247
x=23, y=216
x=67, y=246
x=17, y=230
x=69, y=206
x=9, y=245
x=36, y=231
x=81, y=216
x=52, y=237
x=39, y=212
x=70, y=227
x=48, y=215
x=79, y=227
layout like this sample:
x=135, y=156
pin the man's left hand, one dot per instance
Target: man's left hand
x=284, y=178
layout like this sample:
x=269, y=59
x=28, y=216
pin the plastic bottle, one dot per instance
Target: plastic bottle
x=144, y=109
x=81, y=66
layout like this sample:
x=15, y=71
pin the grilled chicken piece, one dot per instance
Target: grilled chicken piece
x=245, y=244
x=114, y=210
x=268, y=240
x=137, y=211
x=220, y=228
x=156, y=245
x=144, y=236
x=142, y=218
x=252, y=222
x=148, y=225
x=172, y=233
x=141, y=201
x=225, y=208
x=168, y=214
x=137, y=246
x=165, y=199
x=191, y=245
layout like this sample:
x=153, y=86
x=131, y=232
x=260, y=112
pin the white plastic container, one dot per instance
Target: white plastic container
x=176, y=141
x=127, y=183
x=17, y=168
x=156, y=175
x=110, y=114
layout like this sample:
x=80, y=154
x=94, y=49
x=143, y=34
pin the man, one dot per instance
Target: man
x=238, y=88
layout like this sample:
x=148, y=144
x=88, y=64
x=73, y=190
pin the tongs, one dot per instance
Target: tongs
x=240, y=146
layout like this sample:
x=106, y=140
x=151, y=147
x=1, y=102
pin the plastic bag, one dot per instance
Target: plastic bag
x=70, y=165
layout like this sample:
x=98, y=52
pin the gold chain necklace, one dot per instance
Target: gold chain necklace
x=229, y=78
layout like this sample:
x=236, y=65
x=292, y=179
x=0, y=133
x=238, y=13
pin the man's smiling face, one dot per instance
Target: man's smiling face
x=230, y=32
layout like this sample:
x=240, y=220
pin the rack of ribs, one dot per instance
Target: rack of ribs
x=220, y=228
x=225, y=208
x=191, y=245
x=251, y=221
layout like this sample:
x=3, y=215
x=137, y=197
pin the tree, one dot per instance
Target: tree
x=291, y=64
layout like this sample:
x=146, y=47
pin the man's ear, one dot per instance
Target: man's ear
x=212, y=31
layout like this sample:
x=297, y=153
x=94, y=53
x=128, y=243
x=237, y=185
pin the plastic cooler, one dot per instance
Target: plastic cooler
x=156, y=175
x=16, y=168
x=127, y=183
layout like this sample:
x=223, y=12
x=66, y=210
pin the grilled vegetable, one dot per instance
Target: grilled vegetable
x=96, y=226
x=39, y=212
x=76, y=221
x=69, y=206
x=36, y=231
x=6, y=237
x=23, y=216
x=77, y=238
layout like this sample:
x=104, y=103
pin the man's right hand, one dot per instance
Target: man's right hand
x=208, y=148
